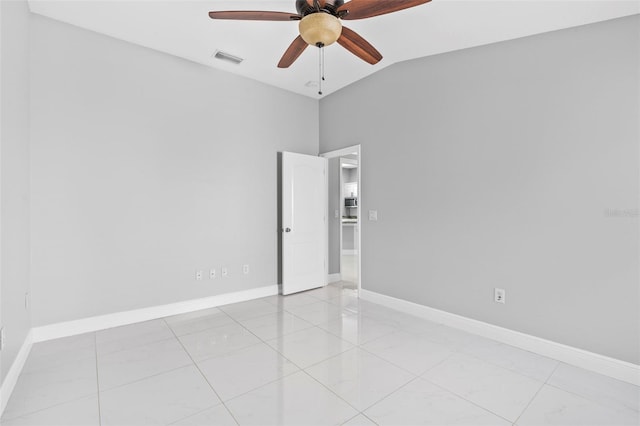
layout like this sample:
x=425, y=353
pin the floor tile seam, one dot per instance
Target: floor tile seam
x=138, y=345
x=524, y=410
x=281, y=305
x=199, y=331
x=233, y=322
x=145, y=378
x=434, y=366
x=594, y=400
x=29, y=413
x=286, y=334
x=303, y=368
x=289, y=313
x=29, y=371
x=207, y=381
x=413, y=379
x=331, y=391
x=234, y=351
x=176, y=322
x=349, y=419
x=389, y=361
x=370, y=419
x=331, y=357
x=468, y=400
x=298, y=316
x=501, y=367
x=270, y=382
x=231, y=314
x=354, y=343
x=581, y=395
x=197, y=413
x=264, y=326
x=97, y=380
x=186, y=364
x=513, y=370
x=266, y=342
x=105, y=358
x=246, y=318
x=325, y=301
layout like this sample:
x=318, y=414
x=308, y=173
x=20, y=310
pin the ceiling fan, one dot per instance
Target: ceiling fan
x=320, y=24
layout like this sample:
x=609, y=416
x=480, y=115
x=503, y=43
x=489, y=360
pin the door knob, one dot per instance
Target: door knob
x=287, y=230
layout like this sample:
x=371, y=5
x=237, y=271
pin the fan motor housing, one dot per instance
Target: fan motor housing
x=320, y=29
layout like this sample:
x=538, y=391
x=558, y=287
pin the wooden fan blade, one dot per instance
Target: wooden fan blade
x=293, y=52
x=255, y=15
x=360, y=47
x=360, y=9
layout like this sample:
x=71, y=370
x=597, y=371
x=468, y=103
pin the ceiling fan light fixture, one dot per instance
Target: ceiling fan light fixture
x=320, y=29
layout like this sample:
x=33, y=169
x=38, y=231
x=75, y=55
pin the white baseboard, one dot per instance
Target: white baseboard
x=334, y=278
x=611, y=367
x=11, y=378
x=86, y=325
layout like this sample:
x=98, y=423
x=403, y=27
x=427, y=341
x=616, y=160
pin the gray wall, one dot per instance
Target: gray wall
x=14, y=178
x=146, y=168
x=511, y=154
x=335, y=203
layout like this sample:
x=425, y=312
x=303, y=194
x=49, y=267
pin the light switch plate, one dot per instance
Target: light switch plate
x=373, y=215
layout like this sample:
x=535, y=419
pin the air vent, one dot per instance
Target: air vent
x=224, y=56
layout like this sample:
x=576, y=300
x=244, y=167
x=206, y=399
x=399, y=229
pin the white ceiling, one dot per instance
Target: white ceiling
x=183, y=28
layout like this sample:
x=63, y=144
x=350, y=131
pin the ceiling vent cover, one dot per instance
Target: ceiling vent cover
x=224, y=56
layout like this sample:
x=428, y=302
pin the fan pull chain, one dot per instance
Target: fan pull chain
x=323, y=62
x=320, y=68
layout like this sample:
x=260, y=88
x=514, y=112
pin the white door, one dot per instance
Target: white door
x=304, y=233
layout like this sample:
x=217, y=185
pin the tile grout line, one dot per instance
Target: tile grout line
x=262, y=342
x=203, y=376
x=467, y=400
x=95, y=348
x=588, y=398
x=536, y=394
x=302, y=369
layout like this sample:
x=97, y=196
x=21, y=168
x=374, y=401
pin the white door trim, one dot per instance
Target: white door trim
x=341, y=153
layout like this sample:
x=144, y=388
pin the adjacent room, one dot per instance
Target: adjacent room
x=320, y=212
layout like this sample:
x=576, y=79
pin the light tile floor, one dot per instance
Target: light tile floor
x=322, y=357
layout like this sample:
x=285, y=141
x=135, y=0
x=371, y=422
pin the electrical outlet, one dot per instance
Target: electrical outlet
x=373, y=215
x=199, y=275
x=245, y=269
x=212, y=274
x=499, y=295
x=2, y=338
x=224, y=272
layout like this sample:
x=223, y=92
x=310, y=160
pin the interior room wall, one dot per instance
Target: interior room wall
x=147, y=168
x=14, y=178
x=520, y=163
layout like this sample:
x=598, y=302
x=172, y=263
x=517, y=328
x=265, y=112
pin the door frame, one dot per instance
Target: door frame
x=337, y=154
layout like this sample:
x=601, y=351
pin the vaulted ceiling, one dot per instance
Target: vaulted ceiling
x=183, y=29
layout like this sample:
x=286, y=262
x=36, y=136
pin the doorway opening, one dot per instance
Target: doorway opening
x=344, y=217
